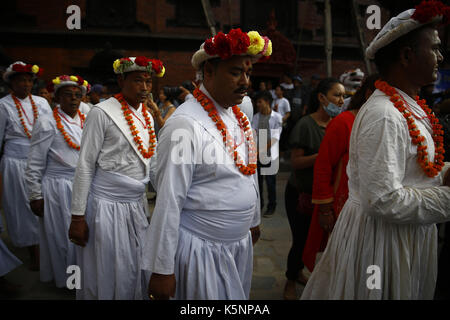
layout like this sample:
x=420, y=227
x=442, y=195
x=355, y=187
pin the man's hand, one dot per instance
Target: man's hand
x=161, y=286
x=37, y=206
x=447, y=178
x=79, y=231
x=256, y=233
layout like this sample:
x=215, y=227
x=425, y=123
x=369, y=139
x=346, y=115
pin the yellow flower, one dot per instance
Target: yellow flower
x=56, y=80
x=256, y=43
x=116, y=64
x=35, y=69
x=85, y=83
x=269, y=49
x=161, y=74
x=73, y=78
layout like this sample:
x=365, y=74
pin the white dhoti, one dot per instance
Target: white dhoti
x=8, y=261
x=111, y=261
x=214, y=257
x=21, y=223
x=56, y=251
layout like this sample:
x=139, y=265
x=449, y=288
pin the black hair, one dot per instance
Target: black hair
x=390, y=54
x=323, y=87
x=359, y=97
x=265, y=95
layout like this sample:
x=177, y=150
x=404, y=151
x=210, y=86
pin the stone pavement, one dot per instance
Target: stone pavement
x=270, y=254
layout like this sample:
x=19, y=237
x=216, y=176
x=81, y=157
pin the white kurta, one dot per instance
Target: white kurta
x=389, y=219
x=22, y=224
x=109, y=186
x=205, y=207
x=49, y=175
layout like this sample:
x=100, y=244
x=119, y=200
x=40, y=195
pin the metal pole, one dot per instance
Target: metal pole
x=209, y=16
x=360, y=33
x=328, y=37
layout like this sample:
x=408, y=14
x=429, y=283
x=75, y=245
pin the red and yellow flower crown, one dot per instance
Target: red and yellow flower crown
x=21, y=67
x=141, y=63
x=65, y=80
x=235, y=42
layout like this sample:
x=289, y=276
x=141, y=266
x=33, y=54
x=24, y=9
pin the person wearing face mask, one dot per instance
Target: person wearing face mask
x=384, y=245
x=330, y=187
x=305, y=139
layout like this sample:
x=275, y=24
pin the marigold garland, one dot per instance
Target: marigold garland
x=431, y=169
x=60, y=127
x=19, y=111
x=209, y=107
x=147, y=154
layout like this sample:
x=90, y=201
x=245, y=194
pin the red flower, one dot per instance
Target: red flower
x=209, y=47
x=223, y=46
x=80, y=80
x=427, y=10
x=141, y=61
x=239, y=41
x=157, y=65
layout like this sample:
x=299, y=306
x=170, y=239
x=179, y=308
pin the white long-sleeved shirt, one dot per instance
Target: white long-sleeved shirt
x=10, y=125
x=48, y=148
x=196, y=174
x=104, y=145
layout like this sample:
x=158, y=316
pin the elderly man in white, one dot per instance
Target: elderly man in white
x=19, y=110
x=384, y=244
x=199, y=244
x=117, y=159
x=51, y=167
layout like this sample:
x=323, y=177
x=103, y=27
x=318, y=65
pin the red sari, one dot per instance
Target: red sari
x=330, y=181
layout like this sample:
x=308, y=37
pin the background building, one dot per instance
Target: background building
x=171, y=30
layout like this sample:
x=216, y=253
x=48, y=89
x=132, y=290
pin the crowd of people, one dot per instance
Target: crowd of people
x=367, y=186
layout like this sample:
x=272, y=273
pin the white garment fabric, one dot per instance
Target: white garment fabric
x=276, y=126
x=21, y=223
x=247, y=107
x=49, y=176
x=205, y=207
x=85, y=108
x=390, y=216
x=110, y=262
x=107, y=147
x=8, y=261
x=109, y=186
x=283, y=106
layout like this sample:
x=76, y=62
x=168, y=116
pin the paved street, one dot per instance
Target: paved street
x=269, y=260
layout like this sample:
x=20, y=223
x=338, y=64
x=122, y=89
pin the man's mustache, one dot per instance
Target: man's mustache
x=241, y=90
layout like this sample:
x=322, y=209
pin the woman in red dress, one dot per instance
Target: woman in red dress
x=330, y=186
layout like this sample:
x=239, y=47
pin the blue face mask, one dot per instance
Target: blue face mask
x=332, y=109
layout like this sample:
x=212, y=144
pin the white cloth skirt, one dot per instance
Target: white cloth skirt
x=406, y=255
x=8, y=261
x=214, y=257
x=21, y=223
x=56, y=251
x=213, y=270
x=111, y=261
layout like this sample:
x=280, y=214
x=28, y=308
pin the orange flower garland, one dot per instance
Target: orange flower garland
x=431, y=169
x=209, y=107
x=60, y=127
x=147, y=154
x=19, y=111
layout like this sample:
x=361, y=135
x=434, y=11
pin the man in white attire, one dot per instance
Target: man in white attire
x=18, y=113
x=384, y=244
x=199, y=244
x=52, y=160
x=117, y=159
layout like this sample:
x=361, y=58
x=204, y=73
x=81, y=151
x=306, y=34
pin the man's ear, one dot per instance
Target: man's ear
x=120, y=80
x=406, y=54
x=56, y=97
x=208, y=69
